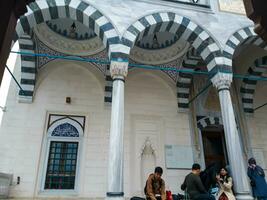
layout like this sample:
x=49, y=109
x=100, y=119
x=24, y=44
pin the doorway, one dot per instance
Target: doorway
x=214, y=147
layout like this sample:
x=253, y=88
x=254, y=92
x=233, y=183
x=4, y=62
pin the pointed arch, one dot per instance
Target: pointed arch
x=186, y=29
x=42, y=11
x=242, y=36
x=248, y=87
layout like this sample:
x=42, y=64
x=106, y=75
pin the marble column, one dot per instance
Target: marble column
x=222, y=82
x=118, y=71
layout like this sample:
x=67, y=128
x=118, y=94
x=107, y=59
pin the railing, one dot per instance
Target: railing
x=200, y=3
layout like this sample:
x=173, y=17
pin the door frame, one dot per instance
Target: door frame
x=215, y=128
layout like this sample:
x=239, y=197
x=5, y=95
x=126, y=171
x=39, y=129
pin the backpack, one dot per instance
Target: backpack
x=153, y=181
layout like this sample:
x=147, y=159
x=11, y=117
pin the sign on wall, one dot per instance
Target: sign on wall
x=234, y=6
x=178, y=157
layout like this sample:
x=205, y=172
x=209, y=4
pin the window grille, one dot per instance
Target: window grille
x=61, y=166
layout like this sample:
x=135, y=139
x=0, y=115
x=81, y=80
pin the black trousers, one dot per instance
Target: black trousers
x=204, y=197
x=158, y=198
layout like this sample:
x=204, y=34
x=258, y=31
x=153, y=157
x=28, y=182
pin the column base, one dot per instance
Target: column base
x=244, y=197
x=115, y=198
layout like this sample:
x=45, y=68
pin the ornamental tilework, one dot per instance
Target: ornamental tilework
x=43, y=49
x=103, y=68
x=172, y=73
x=65, y=130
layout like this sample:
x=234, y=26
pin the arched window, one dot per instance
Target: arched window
x=64, y=136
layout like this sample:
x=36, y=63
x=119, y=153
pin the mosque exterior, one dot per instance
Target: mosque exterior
x=110, y=89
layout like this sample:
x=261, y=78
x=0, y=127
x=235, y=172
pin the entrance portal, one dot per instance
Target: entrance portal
x=214, y=147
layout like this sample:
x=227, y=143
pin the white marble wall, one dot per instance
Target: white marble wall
x=24, y=127
x=150, y=110
x=258, y=125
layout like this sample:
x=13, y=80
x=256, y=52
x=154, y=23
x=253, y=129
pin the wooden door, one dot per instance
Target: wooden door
x=214, y=148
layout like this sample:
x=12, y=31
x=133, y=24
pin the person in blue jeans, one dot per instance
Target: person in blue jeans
x=257, y=180
x=193, y=185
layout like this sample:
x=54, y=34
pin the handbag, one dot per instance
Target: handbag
x=169, y=195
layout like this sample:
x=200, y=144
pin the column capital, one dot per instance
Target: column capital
x=222, y=80
x=118, y=68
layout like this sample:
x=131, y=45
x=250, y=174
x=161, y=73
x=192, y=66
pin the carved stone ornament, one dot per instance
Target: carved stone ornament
x=118, y=68
x=66, y=45
x=148, y=148
x=222, y=80
x=159, y=56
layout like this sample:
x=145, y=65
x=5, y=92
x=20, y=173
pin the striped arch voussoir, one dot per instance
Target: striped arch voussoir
x=42, y=11
x=243, y=36
x=28, y=69
x=108, y=87
x=183, y=27
x=208, y=121
x=184, y=80
x=248, y=87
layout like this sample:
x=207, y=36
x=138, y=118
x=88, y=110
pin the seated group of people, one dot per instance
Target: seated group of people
x=193, y=185
x=155, y=185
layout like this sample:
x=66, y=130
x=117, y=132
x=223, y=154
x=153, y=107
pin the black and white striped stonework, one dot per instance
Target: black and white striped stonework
x=28, y=69
x=42, y=11
x=108, y=88
x=184, y=80
x=248, y=87
x=183, y=27
x=208, y=121
x=242, y=36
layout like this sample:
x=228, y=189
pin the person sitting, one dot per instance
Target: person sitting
x=155, y=186
x=225, y=185
x=194, y=186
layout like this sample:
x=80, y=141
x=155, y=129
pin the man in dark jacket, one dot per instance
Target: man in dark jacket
x=155, y=186
x=193, y=185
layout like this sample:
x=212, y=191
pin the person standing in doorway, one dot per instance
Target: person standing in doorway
x=257, y=180
x=155, y=186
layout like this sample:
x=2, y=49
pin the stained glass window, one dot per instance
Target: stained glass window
x=61, y=167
